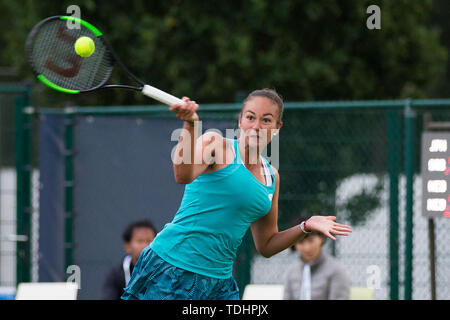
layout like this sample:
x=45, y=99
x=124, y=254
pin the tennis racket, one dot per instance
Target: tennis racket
x=50, y=48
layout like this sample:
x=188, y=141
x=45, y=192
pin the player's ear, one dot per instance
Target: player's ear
x=279, y=125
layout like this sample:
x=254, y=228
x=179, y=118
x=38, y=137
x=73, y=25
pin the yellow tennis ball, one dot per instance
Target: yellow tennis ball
x=84, y=46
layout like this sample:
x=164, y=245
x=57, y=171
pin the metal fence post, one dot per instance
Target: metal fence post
x=394, y=142
x=68, y=187
x=23, y=151
x=410, y=118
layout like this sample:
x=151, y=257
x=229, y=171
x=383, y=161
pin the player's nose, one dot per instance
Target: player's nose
x=256, y=125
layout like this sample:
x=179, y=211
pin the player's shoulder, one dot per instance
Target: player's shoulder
x=274, y=169
x=275, y=172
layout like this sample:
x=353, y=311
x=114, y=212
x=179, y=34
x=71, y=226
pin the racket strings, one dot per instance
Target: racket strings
x=53, y=55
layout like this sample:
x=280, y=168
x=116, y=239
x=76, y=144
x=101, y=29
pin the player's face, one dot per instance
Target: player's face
x=259, y=121
x=310, y=248
x=140, y=238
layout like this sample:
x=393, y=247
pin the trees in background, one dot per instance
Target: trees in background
x=212, y=50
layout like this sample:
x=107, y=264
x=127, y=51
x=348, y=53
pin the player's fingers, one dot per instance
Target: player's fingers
x=342, y=228
x=180, y=113
x=192, y=103
x=330, y=236
x=175, y=109
x=331, y=218
x=185, y=101
x=177, y=106
x=194, y=106
x=340, y=233
x=184, y=111
x=190, y=106
x=342, y=225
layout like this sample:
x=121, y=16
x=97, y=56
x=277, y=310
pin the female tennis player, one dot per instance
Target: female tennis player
x=230, y=187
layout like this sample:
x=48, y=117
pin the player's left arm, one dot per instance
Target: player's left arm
x=269, y=241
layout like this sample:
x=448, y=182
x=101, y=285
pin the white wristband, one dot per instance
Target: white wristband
x=302, y=226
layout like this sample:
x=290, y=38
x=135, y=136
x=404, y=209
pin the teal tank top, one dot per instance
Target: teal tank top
x=215, y=213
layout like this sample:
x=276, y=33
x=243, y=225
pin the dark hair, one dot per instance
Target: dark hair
x=128, y=233
x=271, y=95
x=309, y=235
x=304, y=216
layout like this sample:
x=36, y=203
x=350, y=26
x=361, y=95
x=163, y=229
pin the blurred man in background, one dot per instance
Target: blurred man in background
x=315, y=275
x=136, y=237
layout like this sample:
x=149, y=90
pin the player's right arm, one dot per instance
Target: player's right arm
x=187, y=164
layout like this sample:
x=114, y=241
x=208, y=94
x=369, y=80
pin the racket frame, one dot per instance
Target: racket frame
x=145, y=89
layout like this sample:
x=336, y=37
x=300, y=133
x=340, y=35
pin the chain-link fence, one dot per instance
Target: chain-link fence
x=335, y=161
x=359, y=161
x=352, y=161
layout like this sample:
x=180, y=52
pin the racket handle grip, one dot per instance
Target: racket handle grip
x=160, y=95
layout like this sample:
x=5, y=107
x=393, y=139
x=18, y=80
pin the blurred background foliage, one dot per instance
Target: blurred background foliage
x=212, y=51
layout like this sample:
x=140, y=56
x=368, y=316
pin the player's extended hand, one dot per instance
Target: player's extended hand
x=186, y=111
x=327, y=226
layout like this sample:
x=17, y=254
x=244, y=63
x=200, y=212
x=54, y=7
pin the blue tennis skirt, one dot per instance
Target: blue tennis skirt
x=155, y=279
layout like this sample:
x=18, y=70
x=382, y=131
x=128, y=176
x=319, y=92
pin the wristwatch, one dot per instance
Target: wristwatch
x=302, y=226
